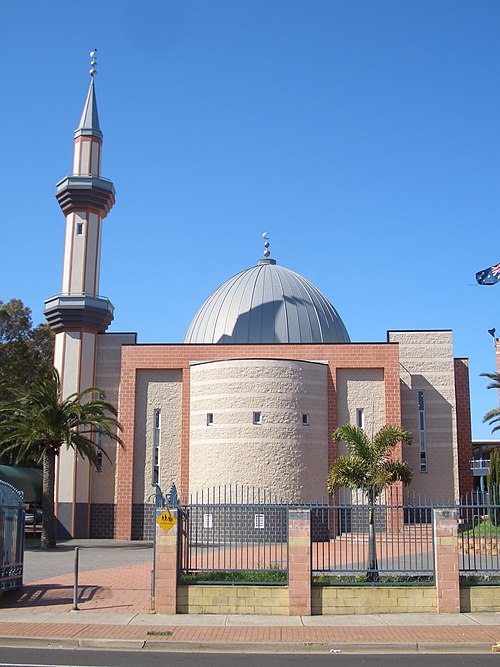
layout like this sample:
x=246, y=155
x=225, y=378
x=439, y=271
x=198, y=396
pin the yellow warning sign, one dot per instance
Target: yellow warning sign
x=166, y=520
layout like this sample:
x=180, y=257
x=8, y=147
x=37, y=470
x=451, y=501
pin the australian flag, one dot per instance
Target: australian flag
x=489, y=276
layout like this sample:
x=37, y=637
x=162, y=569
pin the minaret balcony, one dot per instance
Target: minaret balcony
x=84, y=193
x=78, y=311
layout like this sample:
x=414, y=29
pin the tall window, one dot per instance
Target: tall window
x=421, y=431
x=156, y=447
x=360, y=418
x=98, y=465
x=257, y=418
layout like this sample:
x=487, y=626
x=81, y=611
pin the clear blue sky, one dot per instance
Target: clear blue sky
x=363, y=136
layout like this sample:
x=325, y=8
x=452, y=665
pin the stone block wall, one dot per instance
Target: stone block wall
x=241, y=599
x=479, y=598
x=373, y=599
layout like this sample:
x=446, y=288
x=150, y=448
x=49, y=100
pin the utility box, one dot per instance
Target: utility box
x=11, y=537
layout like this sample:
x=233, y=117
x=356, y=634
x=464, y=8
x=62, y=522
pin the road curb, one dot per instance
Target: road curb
x=130, y=644
x=152, y=645
x=38, y=642
x=313, y=647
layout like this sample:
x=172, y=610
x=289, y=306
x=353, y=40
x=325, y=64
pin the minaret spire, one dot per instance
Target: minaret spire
x=89, y=122
x=78, y=314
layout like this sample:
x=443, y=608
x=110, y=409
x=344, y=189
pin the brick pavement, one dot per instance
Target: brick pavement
x=124, y=589
x=331, y=635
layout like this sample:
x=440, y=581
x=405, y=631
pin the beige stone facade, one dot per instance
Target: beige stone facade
x=157, y=390
x=427, y=365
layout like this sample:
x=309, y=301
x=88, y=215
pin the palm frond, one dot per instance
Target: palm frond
x=355, y=438
x=388, y=437
x=397, y=471
x=40, y=422
x=495, y=377
x=349, y=470
x=369, y=464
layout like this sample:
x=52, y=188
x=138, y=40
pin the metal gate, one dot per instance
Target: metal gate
x=11, y=537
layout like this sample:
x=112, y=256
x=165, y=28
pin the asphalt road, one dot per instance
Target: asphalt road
x=97, y=658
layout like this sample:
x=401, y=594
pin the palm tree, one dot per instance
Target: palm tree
x=368, y=466
x=41, y=422
x=493, y=415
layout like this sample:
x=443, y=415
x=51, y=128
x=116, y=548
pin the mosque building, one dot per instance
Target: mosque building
x=250, y=398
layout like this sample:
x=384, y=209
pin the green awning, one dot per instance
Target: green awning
x=27, y=480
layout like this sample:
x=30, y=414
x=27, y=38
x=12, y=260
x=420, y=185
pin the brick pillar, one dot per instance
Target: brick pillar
x=446, y=561
x=299, y=562
x=166, y=567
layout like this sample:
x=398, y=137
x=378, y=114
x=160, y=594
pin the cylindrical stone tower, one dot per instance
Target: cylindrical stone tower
x=78, y=314
x=261, y=423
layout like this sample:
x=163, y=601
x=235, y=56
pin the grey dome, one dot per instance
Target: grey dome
x=267, y=304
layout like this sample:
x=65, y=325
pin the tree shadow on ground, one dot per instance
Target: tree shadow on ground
x=48, y=595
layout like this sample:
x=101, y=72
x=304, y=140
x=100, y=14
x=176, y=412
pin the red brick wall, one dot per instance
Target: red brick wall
x=464, y=436
x=178, y=356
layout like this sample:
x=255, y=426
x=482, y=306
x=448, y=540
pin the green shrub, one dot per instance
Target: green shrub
x=235, y=576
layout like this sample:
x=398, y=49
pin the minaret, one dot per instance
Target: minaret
x=78, y=314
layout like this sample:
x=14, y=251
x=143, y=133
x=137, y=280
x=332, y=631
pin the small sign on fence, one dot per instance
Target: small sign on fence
x=166, y=520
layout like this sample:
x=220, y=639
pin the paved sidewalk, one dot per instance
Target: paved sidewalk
x=463, y=633
x=114, y=604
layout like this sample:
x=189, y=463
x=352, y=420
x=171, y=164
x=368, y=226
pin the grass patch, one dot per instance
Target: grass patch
x=235, y=576
x=159, y=633
x=339, y=580
x=480, y=579
x=485, y=528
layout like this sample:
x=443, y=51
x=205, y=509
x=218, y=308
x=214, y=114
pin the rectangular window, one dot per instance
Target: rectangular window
x=210, y=418
x=360, y=418
x=257, y=418
x=258, y=521
x=156, y=447
x=98, y=466
x=305, y=420
x=207, y=521
x=79, y=228
x=421, y=432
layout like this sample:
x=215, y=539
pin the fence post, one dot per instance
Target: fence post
x=299, y=562
x=166, y=565
x=446, y=561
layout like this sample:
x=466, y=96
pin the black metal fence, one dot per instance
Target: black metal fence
x=230, y=534
x=479, y=537
x=234, y=530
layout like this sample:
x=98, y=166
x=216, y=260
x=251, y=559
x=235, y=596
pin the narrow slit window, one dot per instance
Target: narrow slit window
x=98, y=466
x=305, y=419
x=257, y=418
x=156, y=447
x=421, y=434
x=79, y=228
x=210, y=418
x=360, y=418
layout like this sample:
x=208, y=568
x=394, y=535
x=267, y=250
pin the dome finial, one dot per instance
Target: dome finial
x=93, y=63
x=267, y=252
